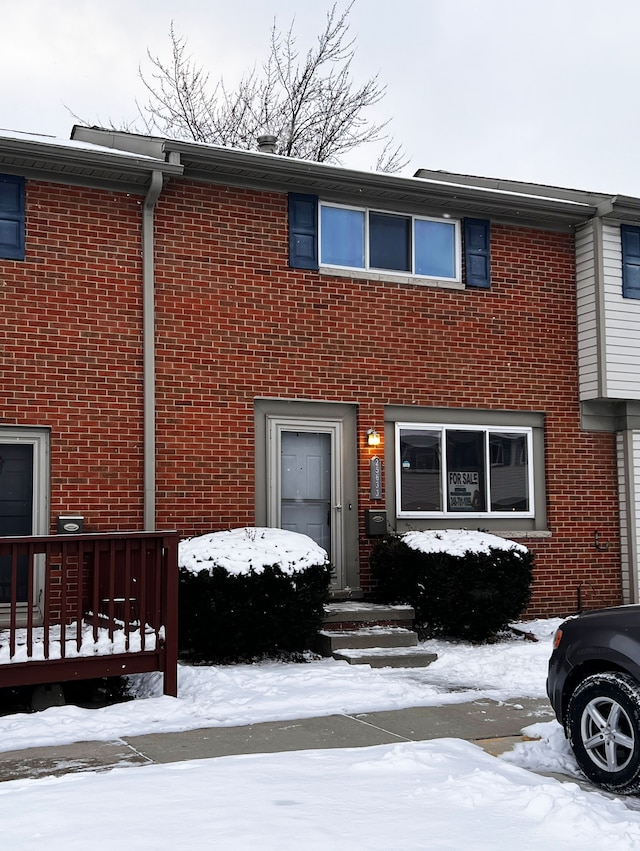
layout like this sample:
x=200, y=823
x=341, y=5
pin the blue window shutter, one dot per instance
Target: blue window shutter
x=11, y=217
x=303, y=231
x=477, y=253
x=630, y=237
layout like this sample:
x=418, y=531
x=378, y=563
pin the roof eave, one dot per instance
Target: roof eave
x=270, y=172
x=621, y=208
x=50, y=160
x=514, y=186
x=524, y=203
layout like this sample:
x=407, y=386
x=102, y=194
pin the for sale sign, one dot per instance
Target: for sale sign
x=464, y=491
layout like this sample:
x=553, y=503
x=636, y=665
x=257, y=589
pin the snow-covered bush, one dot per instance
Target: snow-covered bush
x=248, y=593
x=461, y=584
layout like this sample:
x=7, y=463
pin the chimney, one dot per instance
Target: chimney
x=267, y=143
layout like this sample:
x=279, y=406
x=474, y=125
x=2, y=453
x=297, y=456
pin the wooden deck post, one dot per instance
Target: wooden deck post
x=170, y=594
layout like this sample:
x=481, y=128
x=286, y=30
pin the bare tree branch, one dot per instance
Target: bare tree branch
x=310, y=103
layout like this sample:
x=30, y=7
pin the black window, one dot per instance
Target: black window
x=390, y=242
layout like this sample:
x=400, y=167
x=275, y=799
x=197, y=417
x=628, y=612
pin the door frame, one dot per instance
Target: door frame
x=313, y=416
x=275, y=427
x=39, y=438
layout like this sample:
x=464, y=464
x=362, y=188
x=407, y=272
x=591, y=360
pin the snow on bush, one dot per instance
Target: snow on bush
x=457, y=542
x=462, y=584
x=249, y=593
x=240, y=550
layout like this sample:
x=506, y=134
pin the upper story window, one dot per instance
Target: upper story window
x=368, y=239
x=457, y=471
x=11, y=217
x=335, y=236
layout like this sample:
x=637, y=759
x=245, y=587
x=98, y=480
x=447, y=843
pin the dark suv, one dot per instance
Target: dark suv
x=594, y=688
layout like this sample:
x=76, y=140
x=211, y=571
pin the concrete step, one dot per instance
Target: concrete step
x=371, y=634
x=355, y=613
x=374, y=636
x=386, y=657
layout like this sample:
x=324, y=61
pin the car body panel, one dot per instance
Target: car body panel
x=607, y=639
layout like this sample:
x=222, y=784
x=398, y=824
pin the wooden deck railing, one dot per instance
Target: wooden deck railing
x=85, y=606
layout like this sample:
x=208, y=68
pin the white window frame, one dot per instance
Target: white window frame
x=442, y=428
x=455, y=223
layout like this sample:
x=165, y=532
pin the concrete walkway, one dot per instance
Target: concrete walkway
x=494, y=726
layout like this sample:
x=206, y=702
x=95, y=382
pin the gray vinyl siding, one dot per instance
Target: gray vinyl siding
x=586, y=294
x=608, y=324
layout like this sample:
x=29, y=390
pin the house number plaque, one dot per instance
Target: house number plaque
x=375, y=466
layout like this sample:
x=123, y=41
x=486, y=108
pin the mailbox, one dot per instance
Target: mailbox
x=70, y=524
x=375, y=522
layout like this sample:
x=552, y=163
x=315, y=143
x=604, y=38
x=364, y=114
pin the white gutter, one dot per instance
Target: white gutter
x=148, y=351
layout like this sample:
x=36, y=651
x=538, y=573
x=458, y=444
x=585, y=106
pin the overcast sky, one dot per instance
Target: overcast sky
x=544, y=91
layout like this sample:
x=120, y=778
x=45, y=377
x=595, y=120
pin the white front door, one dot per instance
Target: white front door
x=305, y=483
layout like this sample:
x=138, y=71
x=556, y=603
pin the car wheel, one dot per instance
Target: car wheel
x=603, y=727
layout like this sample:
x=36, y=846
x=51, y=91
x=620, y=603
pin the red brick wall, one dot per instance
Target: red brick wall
x=70, y=338
x=234, y=322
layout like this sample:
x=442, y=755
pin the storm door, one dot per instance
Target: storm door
x=23, y=505
x=305, y=483
x=16, y=510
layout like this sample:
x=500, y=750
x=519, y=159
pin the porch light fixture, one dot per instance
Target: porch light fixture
x=373, y=437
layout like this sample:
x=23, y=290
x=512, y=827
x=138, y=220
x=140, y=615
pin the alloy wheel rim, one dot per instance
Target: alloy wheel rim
x=607, y=734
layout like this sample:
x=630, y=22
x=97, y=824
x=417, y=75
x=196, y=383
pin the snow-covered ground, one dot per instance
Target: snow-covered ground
x=232, y=695
x=443, y=794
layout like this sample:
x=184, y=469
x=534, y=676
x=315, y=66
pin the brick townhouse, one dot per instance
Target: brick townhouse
x=199, y=338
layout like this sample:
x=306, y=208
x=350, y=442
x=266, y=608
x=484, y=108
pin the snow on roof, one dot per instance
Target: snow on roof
x=513, y=193
x=56, y=141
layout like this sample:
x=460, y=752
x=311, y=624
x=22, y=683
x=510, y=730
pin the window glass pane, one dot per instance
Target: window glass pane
x=389, y=242
x=342, y=237
x=420, y=478
x=435, y=249
x=465, y=471
x=509, y=477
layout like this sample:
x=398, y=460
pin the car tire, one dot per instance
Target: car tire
x=603, y=728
